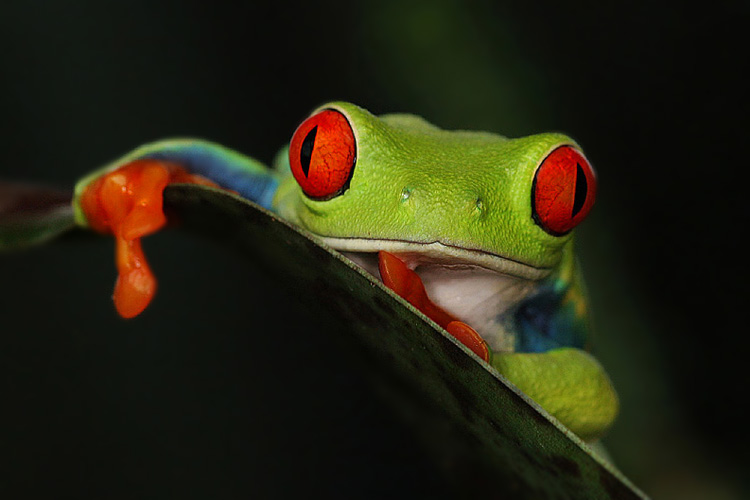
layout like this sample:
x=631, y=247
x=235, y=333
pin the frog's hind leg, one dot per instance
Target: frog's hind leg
x=567, y=382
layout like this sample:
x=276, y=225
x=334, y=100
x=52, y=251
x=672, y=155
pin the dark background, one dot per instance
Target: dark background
x=653, y=92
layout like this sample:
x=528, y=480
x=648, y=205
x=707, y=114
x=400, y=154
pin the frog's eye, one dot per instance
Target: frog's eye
x=322, y=155
x=564, y=190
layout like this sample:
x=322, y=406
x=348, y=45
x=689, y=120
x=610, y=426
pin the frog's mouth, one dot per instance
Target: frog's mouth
x=477, y=289
x=440, y=253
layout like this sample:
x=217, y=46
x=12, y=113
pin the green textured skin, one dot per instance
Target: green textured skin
x=466, y=189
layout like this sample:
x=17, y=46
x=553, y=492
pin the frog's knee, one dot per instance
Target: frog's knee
x=569, y=383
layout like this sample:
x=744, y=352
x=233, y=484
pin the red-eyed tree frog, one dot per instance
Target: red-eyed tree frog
x=472, y=228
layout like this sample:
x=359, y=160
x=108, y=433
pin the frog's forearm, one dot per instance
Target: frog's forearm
x=248, y=177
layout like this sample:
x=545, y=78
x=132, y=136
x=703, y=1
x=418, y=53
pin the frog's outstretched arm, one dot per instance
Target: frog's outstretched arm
x=124, y=198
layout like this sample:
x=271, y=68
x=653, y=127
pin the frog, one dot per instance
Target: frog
x=474, y=229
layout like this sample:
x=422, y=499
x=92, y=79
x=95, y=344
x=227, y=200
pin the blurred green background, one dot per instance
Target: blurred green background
x=652, y=92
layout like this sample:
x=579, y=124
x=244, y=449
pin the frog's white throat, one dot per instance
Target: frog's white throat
x=458, y=280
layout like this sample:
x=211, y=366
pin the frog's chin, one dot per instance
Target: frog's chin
x=439, y=254
x=478, y=288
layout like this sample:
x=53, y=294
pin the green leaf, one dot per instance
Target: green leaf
x=491, y=439
x=501, y=443
x=32, y=214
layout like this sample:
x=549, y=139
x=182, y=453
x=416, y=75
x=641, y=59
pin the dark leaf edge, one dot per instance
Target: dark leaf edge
x=605, y=480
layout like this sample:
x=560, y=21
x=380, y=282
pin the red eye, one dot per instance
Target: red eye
x=564, y=191
x=322, y=155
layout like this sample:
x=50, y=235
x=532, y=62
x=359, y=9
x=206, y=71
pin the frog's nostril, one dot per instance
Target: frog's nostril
x=478, y=206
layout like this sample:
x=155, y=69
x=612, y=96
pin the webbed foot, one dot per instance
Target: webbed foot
x=128, y=203
x=408, y=285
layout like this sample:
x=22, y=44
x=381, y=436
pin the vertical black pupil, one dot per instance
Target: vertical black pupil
x=306, y=150
x=581, y=190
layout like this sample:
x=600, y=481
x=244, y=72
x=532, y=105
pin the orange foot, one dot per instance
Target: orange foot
x=407, y=284
x=127, y=203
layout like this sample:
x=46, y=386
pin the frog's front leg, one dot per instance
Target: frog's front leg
x=125, y=199
x=408, y=285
